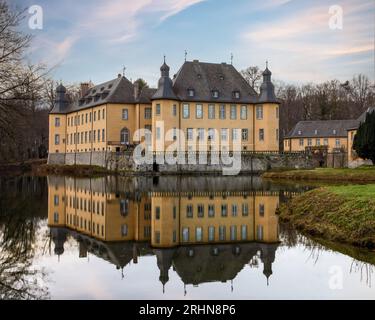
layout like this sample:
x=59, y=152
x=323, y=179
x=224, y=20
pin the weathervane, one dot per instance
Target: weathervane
x=266, y=64
x=185, y=55
x=123, y=71
x=231, y=58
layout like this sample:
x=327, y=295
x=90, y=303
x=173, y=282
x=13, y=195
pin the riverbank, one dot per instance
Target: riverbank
x=336, y=213
x=75, y=171
x=19, y=168
x=361, y=174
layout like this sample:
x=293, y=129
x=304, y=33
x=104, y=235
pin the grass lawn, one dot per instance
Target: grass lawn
x=339, y=213
x=365, y=173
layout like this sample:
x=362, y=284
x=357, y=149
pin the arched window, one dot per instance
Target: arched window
x=124, y=138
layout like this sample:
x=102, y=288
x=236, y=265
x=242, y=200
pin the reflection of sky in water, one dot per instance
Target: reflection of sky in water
x=296, y=275
x=300, y=268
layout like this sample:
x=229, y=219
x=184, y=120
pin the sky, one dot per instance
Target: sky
x=303, y=40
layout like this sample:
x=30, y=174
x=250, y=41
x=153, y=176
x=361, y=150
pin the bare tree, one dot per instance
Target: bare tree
x=253, y=76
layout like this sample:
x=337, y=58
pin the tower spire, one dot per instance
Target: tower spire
x=185, y=55
x=231, y=58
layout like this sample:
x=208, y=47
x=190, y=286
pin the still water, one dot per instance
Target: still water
x=166, y=238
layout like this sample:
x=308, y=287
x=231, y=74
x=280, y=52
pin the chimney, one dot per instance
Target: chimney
x=119, y=75
x=136, y=90
x=84, y=88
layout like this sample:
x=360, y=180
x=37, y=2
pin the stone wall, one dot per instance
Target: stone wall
x=248, y=163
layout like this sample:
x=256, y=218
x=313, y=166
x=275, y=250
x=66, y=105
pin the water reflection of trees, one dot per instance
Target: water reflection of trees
x=363, y=261
x=23, y=202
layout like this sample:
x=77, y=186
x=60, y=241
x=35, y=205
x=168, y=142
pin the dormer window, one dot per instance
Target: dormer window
x=215, y=94
x=316, y=131
x=221, y=77
x=236, y=94
x=191, y=92
x=299, y=132
x=334, y=131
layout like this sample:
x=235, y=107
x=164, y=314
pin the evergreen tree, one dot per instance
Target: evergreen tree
x=364, y=140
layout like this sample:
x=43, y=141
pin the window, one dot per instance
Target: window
x=68, y=122
x=198, y=234
x=245, y=134
x=245, y=209
x=338, y=144
x=57, y=122
x=103, y=135
x=124, y=207
x=125, y=114
x=174, y=133
x=158, y=133
x=189, y=211
x=224, y=210
x=211, y=233
x=261, y=134
x=201, y=134
x=222, y=111
x=234, y=210
x=235, y=134
x=316, y=132
x=124, y=136
x=157, y=109
x=86, y=137
x=56, y=200
x=200, y=210
x=222, y=233
x=260, y=232
x=148, y=113
x=185, y=234
x=174, y=212
x=325, y=141
x=98, y=135
x=224, y=134
x=233, y=233
x=199, y=111
x=124, y=230
x=98, y=116
x=309, y=142
x=301, y=142
x=211, y=134
x=243, y=232
x=57, y=139
x=211, y=111
x=211, y=210
x=318, y=142
x=233, y=112
x=277, y=134
x=185, y=111
x=157, y=213
x=215, y=94
x=277, y=113
x=86, y=116
x=191, y=92
x=334, y=131
x=259, y=112
x=94, y=116
x=236, y=94
x=243, y=112
x=261, y=209
x=103, y=114
x=174, y=110
x=189, y=132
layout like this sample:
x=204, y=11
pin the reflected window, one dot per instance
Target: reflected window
x=211, y=210
x=224, y=210
x=157, y=213
x=260, y=232
x=157, y=236
x=245, y=209
x=124, y=207
x=222, y=233
x=234, y=210
x=198, y=234
x=189, y=211
x=244, y=232
x=124, y=230
x=211, y=233
x=200, y=210
x=56, y=200
x=261, y=210
x=233, y=233
x=185, y=234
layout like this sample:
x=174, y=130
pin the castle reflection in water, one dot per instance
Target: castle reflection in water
x=206, y=229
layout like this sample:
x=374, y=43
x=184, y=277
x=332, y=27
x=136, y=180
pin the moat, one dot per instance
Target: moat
x=166, y=237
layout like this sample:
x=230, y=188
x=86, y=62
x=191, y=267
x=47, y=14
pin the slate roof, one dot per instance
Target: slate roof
x=267, y=89
x=325, y=128
x=362, y=117
x=204, y=77
x=146, y=95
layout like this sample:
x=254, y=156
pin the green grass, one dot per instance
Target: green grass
x=365, y=173
x=339, y=213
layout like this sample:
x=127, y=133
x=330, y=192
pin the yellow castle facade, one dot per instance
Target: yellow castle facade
x=204, y=105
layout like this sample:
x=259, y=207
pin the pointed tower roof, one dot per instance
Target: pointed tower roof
x=165, y=85
x=267, y=89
